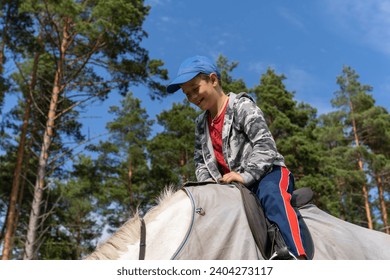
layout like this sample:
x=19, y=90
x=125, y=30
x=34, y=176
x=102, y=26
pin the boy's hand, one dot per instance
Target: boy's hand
x=231, y=177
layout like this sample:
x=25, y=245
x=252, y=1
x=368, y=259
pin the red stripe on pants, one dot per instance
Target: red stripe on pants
x=290, y=212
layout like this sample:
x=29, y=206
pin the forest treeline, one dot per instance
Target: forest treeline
x=58, y=57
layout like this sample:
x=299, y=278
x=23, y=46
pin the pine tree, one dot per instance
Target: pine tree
x=291, y=124
x=229, y=84
x=28, y=92
x=353, y=100
x=171, y=151
x=375, y=132
x=75, y=222
x=129, y=133
x=82, y=38
x=16, y=39
x=337, y=169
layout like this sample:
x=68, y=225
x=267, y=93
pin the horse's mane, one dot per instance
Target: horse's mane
x=129, y=232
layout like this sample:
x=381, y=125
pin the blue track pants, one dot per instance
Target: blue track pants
x=274, y=192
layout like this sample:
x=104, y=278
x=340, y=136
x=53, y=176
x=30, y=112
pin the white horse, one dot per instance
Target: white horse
x=208, y=222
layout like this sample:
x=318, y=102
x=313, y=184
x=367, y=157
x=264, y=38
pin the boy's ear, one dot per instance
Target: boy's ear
x=214, y=78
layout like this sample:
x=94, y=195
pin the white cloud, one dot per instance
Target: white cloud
x=154, y=3
x=308, y=88
x=299, y=79
x=260, y=67
x=382, y=92
x=166, y=19
x=367, y=21
x=291, y=17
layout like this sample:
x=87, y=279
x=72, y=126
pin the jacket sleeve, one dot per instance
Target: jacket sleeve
x=201, y=171
x=264, y=152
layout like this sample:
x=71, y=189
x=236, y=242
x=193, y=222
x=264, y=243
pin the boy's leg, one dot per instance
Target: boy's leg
x=274, y=192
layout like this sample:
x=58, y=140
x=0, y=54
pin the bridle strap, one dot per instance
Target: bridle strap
x=142, y=243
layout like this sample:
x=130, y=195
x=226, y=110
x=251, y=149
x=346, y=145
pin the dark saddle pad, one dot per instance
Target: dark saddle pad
x=263, y=231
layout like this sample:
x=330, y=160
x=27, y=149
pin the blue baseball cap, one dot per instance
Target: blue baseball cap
x=190, y=68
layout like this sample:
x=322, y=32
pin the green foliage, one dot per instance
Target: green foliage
x=74, y=225
x=84, y=50
x=291, y=125
x=15, y=36
x=104, y=44
x=103, y=185
x=282, y=113
x=354, y=136
x=122, y=162
x=229, y=84
x=375, y=129
x=171, y=151
x=7, y=164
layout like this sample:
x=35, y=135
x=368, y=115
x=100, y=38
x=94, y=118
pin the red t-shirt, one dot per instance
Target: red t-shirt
x=215, y=129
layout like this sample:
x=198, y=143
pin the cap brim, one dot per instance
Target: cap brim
x=179, y=80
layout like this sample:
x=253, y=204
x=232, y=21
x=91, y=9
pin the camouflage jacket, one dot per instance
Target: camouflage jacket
x=247, y=144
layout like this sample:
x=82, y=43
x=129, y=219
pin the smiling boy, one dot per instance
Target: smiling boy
x=233, y=144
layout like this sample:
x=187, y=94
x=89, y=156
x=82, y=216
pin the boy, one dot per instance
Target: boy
x=233, y=143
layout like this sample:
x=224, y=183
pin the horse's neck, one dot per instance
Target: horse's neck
x=165, y=229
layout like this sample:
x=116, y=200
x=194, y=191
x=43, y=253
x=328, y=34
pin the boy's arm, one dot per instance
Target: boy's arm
x=201, y=171
x=264, y=152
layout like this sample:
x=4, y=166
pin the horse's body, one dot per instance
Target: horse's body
x=208, y=222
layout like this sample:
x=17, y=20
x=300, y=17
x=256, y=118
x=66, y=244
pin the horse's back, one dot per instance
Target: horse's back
x=220, y=229
x=338, y=239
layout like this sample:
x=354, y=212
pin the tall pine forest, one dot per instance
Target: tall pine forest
x=61, y=190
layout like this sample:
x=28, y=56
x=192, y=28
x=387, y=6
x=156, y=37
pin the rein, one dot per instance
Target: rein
x=142, y=243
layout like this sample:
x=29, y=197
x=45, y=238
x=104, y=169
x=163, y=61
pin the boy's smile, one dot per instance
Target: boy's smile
x=202, y=93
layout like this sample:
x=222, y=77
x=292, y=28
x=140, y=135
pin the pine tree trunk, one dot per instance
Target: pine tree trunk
x=366, y=200
x=40, y=181
x=360, y=163
x=183, y=162
x=31, y=238
x=2, y=45
x=382, y=204
x=6, y=18
x=130, y=183
x=11, y=214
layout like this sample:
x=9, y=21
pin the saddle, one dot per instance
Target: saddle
x=266, y=234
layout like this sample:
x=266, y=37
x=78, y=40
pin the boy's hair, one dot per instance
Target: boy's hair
x=206, y=77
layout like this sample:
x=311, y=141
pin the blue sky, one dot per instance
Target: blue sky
x=308, y=41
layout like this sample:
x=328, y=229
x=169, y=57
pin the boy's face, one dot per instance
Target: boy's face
x=200, y=92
